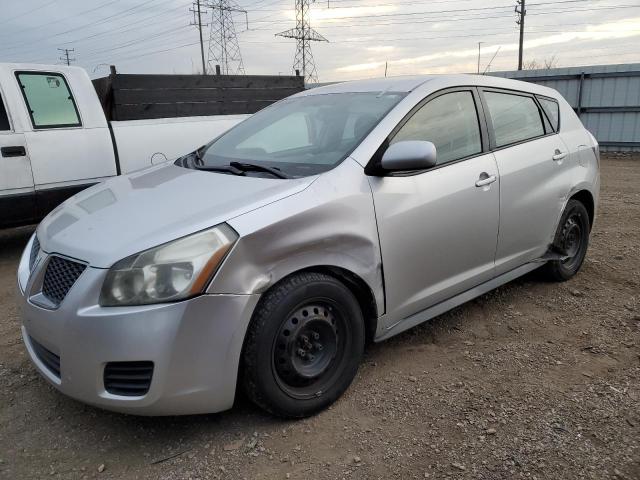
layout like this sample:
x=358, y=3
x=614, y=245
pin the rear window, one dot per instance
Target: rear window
x=4, y=118
x=552, y=109
x=515, y=118
x=49, y=100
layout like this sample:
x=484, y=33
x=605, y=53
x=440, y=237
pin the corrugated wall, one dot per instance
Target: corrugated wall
x=606, y=97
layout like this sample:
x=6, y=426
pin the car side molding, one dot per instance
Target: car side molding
x=445, y=306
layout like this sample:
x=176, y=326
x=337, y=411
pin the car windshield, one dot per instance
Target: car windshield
x=301, y=136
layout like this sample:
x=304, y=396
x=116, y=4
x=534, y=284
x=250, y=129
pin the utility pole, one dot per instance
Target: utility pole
x=521, y=11
x=197, y=21
x=479, y=43
x=304, y=35
x=66, y=59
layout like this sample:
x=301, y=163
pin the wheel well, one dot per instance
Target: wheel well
x=360, y=290
x=585, y=197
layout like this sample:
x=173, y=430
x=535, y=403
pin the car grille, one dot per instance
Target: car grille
x=47, y=357
x=129, y=379
x=60, y=276
x=35, y=249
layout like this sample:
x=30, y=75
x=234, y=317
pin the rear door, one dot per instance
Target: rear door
x=532, y=160
x=17, y=203
x=438, y=228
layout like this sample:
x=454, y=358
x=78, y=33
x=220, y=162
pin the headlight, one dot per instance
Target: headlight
x=173, y=271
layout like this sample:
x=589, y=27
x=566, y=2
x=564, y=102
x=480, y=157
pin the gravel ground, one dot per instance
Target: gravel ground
x=534, y=380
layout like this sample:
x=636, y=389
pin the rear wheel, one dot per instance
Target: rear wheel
x=572, y=240
x=304, y=345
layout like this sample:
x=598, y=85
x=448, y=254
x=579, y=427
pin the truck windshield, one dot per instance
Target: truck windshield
x=302, y=136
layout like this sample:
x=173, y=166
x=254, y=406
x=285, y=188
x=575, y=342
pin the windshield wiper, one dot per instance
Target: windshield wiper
x=220, y=168
x=246, y=167
x=240, y=168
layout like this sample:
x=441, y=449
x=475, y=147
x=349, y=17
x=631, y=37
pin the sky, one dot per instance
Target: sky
x=364, y=36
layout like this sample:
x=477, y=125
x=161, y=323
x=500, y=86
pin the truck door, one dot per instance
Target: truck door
x=17, y=199
x=69, y=151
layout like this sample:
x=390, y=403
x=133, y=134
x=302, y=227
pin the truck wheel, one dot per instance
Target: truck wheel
x=572, y=238
x=303, y=346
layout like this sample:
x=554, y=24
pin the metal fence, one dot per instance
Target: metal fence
x=605, y=97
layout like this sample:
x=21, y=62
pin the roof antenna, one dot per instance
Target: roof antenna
x=492, y=58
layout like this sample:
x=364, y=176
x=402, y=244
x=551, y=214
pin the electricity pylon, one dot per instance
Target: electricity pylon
x=224, y=49
x=304, y=35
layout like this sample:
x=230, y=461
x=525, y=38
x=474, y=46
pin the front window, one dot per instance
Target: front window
x=302, y=136
x=450, y=122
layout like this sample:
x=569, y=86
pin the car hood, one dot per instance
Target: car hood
x=134, y=212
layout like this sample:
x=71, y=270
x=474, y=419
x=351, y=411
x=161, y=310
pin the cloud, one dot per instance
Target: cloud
x=381, y=48
x=605, y=31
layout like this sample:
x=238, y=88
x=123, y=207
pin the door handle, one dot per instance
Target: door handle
x=485, y=179
x=558, y=155
x=13, y=151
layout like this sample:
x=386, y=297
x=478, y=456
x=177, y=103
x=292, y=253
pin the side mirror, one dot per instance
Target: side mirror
x=409, y=155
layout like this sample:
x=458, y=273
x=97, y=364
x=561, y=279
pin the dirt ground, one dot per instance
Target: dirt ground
x=534, y=380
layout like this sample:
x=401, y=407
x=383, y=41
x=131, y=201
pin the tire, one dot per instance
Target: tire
x=303, y=346
x=572, y=238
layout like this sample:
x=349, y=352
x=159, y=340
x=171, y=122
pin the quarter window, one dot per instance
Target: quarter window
x=49, y=100
x=4, y=118
x=552, y=109
x=514, y=117
x=450, y=122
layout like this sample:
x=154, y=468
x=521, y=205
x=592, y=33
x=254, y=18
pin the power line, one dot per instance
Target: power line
x=429, y=15
x=139, y=24
x=101, y=21
x=40, y=7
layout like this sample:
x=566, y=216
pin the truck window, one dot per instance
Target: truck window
x=48, y=99
x=4, y=118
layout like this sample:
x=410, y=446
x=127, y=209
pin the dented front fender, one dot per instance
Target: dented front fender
x=329, y=224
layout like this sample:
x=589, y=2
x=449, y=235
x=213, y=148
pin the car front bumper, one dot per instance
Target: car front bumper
x=195, y=345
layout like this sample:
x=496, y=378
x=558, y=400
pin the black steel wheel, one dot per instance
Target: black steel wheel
x=572, y=241
x=304, y=345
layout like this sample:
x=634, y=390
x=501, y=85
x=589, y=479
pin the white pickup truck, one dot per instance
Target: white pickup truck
x=55, y=139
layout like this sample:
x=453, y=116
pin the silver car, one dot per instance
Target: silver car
x=269, y=257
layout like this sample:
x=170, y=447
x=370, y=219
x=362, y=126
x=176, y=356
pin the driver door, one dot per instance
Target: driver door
x=438, y=228
x=17, y=197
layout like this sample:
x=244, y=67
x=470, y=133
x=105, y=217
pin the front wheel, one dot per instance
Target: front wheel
x=304, y=345
x=572, y=239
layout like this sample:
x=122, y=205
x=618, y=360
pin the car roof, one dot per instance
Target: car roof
x=389, y=84
x=406, y=84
